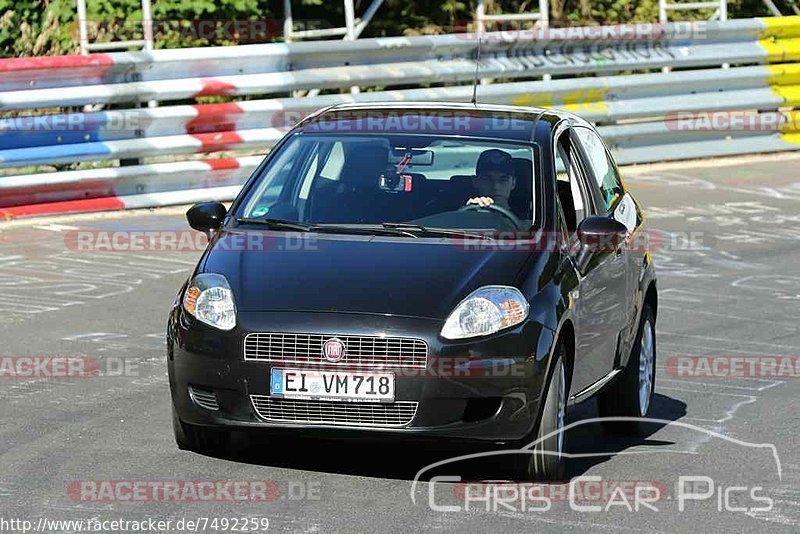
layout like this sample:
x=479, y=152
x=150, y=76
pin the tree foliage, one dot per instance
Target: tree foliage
x=48, y=27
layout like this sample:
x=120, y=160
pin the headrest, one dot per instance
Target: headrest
x=364, y=162
x=462, y=185
x=522, y=194
x=523, y=170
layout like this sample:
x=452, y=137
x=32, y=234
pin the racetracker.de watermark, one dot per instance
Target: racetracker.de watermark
x=247, y=240
x=221, y=29
x=417, y=121
x=732, y=121
x=183, y=241
x=217, y=117
x=733, y=366
x=73, y=366
x=581, y=33
x=257, y=491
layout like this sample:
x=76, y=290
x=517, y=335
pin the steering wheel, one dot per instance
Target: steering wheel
x=499, y=209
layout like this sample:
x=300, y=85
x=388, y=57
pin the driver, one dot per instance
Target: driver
x=494, y=179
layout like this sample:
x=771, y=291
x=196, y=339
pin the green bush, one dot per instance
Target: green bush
x=48, y=27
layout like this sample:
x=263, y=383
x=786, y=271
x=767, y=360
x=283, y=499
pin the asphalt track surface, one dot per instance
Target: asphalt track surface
x=729, y=287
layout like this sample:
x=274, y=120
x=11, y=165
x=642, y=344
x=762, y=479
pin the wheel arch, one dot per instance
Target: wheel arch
x=651, y=297
x=566, y=335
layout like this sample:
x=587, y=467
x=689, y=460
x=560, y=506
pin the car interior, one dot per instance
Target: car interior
x=370, y=189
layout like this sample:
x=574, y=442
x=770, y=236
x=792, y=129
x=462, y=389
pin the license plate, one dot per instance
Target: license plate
x=331, y=385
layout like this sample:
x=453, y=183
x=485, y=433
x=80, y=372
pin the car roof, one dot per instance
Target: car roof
x=523, y=119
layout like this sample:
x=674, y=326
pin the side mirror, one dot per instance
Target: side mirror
x=599, y=236
x=206, y=216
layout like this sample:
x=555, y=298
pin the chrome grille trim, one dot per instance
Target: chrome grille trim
x=396, y=414
x=204, y=399
x=361, y=351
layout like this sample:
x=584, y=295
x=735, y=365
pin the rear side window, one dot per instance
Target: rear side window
x=601, y=167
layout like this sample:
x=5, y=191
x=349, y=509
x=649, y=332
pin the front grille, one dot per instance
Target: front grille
x=205, y=399
x=360, y=351
x=334, y=413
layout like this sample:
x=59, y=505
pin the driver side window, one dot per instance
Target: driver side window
x=601, y=167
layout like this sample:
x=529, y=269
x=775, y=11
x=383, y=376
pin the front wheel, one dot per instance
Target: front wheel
x=632, y=393
x=546, y=460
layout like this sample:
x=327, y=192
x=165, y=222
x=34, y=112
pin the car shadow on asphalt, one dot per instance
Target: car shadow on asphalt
x=589, y=451
x=403, y=460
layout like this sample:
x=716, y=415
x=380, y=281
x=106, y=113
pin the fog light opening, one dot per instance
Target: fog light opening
x=204, y=398
x=480, y=409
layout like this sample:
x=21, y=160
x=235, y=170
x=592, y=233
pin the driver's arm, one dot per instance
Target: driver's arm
x=481, y=201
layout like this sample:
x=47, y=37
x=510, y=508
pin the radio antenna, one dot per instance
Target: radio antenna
x=477, y=65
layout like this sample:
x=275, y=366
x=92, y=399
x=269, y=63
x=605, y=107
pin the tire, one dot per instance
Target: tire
x=198, y=439
x=631, y=394
x=546, y=461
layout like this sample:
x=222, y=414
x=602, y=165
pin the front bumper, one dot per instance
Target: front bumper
x=486, y=389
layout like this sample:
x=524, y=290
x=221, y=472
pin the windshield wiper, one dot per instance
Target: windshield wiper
x=386, y=228
x=363, y=229
x=277, y=224
x=280, y=224
x=424, y=230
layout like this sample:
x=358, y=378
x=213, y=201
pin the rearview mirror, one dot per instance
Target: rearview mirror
x=418, y=156
x=599, y=236
x=206, y=216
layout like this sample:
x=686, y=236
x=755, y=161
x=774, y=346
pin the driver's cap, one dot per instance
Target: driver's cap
x=495, y=160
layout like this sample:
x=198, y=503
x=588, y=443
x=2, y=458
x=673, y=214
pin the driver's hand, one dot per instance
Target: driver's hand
x=481, y=201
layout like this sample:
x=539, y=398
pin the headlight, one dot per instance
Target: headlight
x=209, y=299
x=485, y=311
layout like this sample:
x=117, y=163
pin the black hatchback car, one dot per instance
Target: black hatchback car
x=419, y=270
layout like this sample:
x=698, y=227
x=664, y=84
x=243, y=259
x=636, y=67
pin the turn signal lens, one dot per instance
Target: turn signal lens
x=190, y=299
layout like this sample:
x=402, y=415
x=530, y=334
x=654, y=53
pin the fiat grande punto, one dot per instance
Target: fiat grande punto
x=423, y=271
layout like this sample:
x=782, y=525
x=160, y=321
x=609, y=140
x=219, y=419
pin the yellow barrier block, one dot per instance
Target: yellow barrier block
x=789, y=93
x=779, y=50
x=541, y=100
x=784, y=81
x=791, y=48
x=774, y=52
x=589, y=99
x=780, y=27
x=786, y=74
x=793, y=138
x=791, y=122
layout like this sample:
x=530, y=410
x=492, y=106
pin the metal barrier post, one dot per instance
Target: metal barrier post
x=82, y=31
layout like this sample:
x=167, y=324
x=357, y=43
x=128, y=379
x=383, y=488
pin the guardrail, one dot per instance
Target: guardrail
x=603, y=73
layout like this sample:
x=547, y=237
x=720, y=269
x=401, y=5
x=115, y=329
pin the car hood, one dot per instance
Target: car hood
x=421, y=277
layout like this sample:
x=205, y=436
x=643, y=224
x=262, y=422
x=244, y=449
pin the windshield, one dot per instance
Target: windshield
x=430, y=181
